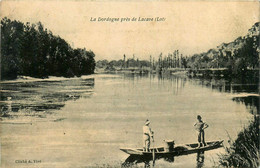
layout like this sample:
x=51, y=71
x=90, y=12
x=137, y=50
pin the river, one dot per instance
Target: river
x=83, y=122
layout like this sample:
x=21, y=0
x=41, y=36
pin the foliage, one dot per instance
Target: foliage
x=244, y=151
x=238, y=56
x=31, y=50
x=121, y=64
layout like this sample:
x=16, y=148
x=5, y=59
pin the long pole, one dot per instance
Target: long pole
x=153, y=153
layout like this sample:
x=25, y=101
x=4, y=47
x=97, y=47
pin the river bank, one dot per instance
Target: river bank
x=218, y=73
x=49, y=78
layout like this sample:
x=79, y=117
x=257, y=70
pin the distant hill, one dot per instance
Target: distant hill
x=240, y=54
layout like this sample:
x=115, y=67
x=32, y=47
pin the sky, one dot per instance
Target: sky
x=189, y=26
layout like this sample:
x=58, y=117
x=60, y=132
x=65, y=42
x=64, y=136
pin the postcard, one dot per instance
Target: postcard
x=89, y=83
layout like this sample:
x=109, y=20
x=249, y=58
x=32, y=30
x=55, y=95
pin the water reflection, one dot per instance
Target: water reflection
x=200, y=159
x=133, y=160
x=173, y=83
x=39, y=98
x=110, y=119
x=136, y=159
x=251, y=103
x=247, y=93
x=223, y=85
x=176, y=84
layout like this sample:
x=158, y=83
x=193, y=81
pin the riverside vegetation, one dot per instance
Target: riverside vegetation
x=244, y=151
x=32, y=50
x=238, y=59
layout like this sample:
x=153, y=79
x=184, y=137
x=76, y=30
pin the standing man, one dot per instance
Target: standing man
x=199, y=127
x=147, y=135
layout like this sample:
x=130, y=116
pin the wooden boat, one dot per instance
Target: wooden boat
x=183, y=149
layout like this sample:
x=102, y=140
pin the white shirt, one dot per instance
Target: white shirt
x=147, y=130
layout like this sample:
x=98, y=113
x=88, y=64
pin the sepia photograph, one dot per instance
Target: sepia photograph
x=129, y=84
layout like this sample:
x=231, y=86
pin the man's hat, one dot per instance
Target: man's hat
x=147, y=122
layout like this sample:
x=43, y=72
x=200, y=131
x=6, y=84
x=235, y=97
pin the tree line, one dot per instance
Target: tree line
x=32, y=50
x=239, y=55
x=129, y=63
x=172, y=60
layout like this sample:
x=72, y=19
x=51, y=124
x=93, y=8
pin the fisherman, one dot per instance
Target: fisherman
x=199, y=127
x=147, y=135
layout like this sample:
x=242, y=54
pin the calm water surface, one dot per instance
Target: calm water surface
x=82, y=122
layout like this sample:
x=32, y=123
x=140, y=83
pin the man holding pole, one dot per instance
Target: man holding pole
x=147, y=135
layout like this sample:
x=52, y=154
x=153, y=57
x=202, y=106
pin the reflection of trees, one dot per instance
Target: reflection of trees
x=175, y=82
x=42, y=97
x=227, y=86
x=251, y=102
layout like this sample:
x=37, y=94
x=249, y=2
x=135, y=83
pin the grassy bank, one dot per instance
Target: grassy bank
x=244, y=151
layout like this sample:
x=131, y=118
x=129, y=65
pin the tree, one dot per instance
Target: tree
x=29, y=49
x=11, y=35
